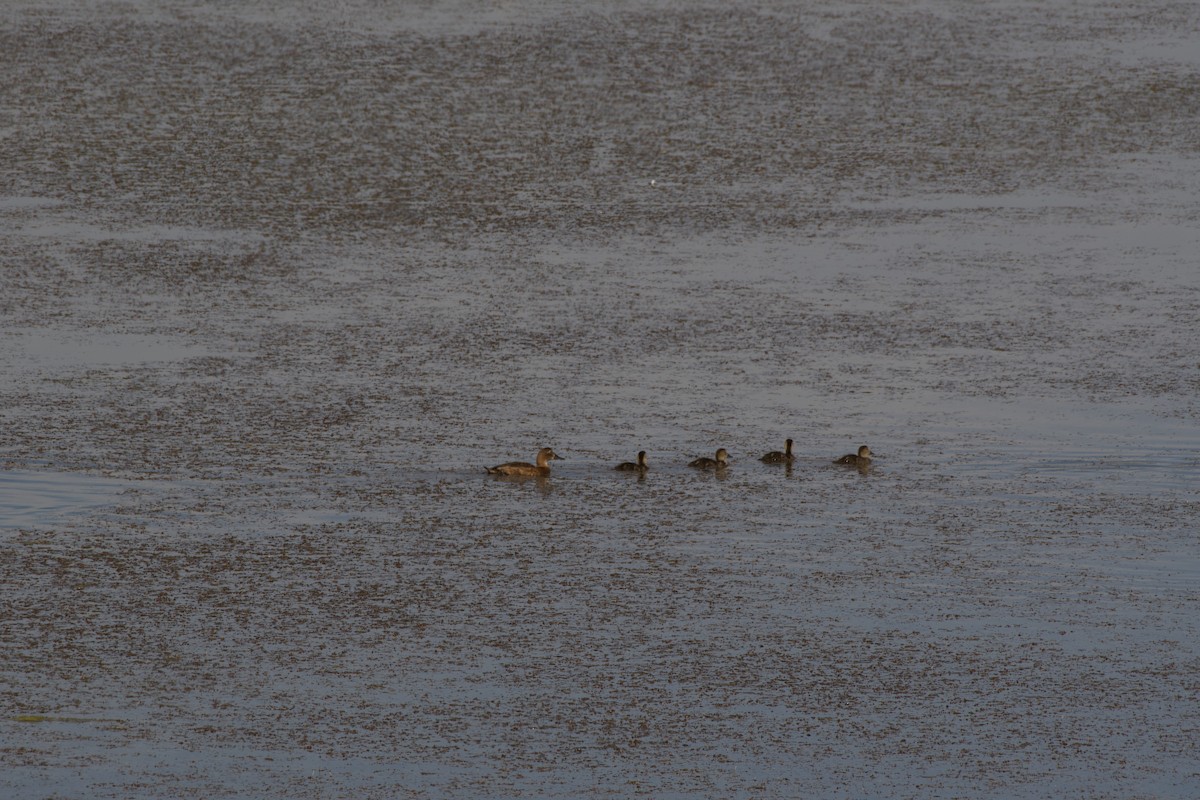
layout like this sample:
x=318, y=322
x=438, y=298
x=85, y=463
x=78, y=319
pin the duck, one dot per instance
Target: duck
x=640, y=466
x=525, y=469
x=863, y=458
x=720, y=462
x=776, y=457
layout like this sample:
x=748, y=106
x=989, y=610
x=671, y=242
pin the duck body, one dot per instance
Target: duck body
x=720, y=462
x=630, y=466
x=776, y=457
x=862, y=459
x=525, y=469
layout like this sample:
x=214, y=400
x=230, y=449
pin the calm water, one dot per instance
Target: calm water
x=278, y=282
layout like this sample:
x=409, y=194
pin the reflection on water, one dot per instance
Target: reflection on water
x=1177, y=470
x=543, y=483
x=34, y=499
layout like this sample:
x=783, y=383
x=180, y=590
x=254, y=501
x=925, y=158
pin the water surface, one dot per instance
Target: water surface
x=278, y=282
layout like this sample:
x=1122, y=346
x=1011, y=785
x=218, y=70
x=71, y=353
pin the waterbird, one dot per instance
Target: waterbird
x=720, y=462
x=629, y=466
x=524, y=468
x=863, y=458
x=776, y=457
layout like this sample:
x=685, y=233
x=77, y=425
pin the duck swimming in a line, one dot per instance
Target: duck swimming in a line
x=629, y=466
x=776, y=457
x=524, y=468
x=863, y=458
x=720, y=462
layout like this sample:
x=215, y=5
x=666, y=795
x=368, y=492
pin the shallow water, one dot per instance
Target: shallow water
x=278, y=282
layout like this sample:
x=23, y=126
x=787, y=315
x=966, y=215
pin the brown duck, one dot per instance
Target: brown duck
x=776, y=457
x=524, y=468
x=863, y=458
x=629, y=466
x=720, y=462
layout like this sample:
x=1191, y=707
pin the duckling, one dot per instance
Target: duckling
x=776, y=457
x=525, y=469
x=640, y=466
x=720, y=462
x=863, y=458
